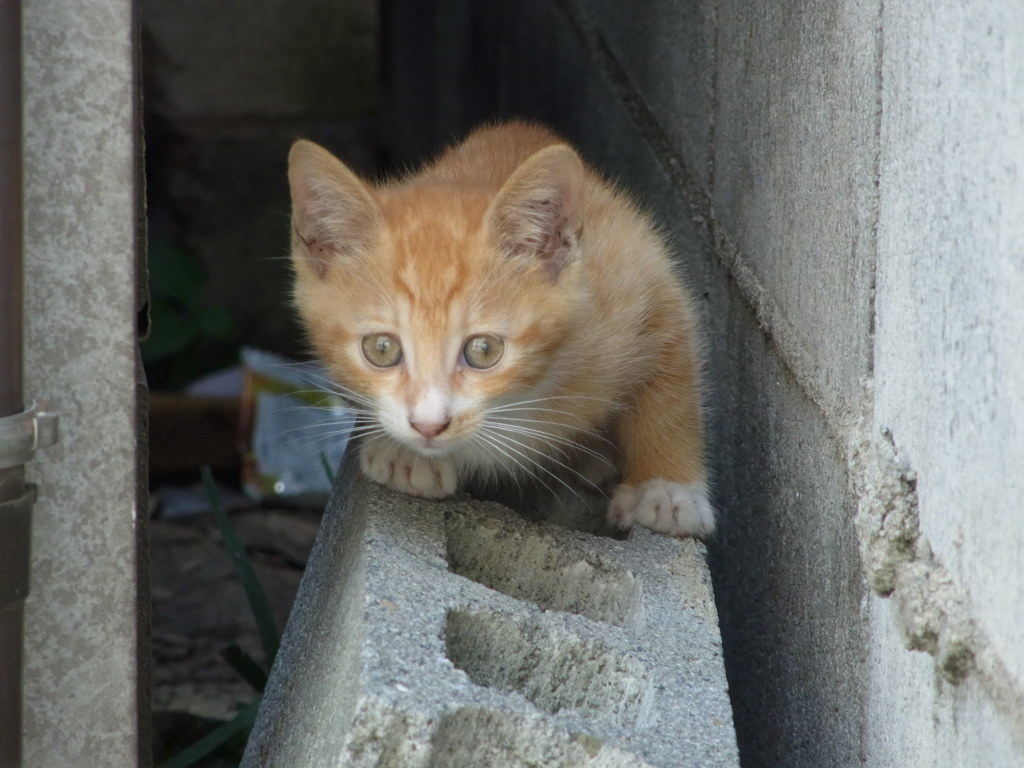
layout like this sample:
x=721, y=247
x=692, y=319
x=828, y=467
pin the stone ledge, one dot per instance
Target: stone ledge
x=459, y=634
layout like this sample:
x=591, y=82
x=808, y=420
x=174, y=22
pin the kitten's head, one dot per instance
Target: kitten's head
x=433, y=302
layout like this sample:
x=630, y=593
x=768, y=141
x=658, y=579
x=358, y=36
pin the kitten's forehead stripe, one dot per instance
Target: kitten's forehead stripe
x=431, y=265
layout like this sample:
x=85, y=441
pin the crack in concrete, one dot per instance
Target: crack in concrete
x=793, y=353
x=932, y=610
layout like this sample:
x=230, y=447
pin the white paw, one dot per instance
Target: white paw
x=401, y=468
x=678, y=509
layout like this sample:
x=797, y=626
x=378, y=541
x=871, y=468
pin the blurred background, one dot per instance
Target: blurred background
x=227, y=87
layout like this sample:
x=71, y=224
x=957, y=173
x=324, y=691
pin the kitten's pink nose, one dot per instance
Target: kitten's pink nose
x=430, y=429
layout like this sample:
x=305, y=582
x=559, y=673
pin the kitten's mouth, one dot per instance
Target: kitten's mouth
x=429, y=446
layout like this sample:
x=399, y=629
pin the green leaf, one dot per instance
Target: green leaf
x=253, y=589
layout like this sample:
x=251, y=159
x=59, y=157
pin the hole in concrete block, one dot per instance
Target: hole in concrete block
x=528, y=563
x=553, y=672
x=578, y=509
x=482, y=738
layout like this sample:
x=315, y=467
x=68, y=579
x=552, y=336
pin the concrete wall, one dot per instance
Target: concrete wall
x=86, y=699
x=843, y=184
x=949, y=367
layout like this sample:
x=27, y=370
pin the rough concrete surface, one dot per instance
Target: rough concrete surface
x=678, y=38
x=460, y=634
x=791, y=601
x=82, y=655
x=949, y=356
x=947, y=383
x=802, y=216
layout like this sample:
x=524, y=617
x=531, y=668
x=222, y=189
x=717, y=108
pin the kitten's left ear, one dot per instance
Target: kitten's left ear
x=538, y=212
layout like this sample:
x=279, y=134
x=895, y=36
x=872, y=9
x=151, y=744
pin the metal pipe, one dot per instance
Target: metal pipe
x=15, y=499
x=11, y=400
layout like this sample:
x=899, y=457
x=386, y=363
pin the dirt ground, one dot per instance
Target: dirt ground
x=199, y=608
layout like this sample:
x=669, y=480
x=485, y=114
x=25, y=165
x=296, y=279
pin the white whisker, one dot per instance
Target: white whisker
x=531, y=405
x=512, y=422
x=551, y=438
x=508, y=443
x=501, y=448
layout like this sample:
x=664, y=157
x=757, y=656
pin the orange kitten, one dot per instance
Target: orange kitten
x=505, y=311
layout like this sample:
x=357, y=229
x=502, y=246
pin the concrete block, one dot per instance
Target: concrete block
x=460, y=634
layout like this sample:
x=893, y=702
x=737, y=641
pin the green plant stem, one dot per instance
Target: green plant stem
x=246, y=666
x=327, y=468
x=253, y=590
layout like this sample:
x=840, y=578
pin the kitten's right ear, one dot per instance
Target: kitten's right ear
x=333, y=213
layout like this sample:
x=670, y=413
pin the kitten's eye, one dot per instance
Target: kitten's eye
x=483, y=351
x=382, y=350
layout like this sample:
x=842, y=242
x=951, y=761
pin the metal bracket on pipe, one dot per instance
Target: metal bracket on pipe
x=22, y=434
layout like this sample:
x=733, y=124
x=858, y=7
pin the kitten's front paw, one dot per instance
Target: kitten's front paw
x=678, y=509
x=398, y=467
